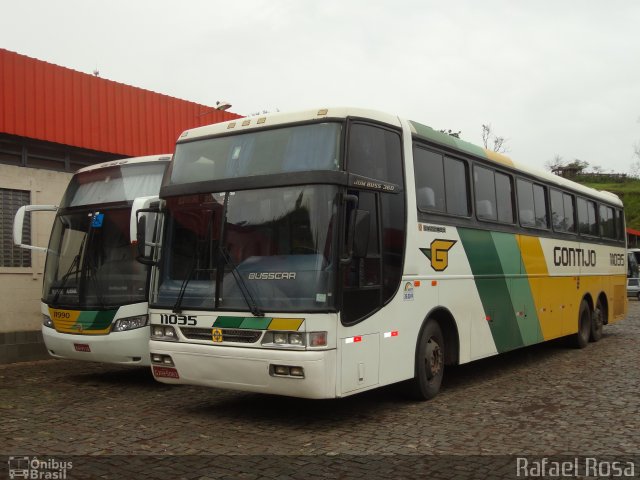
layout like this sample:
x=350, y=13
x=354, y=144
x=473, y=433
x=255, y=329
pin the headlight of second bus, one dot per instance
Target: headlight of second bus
x=294, y=340
x=130, y=323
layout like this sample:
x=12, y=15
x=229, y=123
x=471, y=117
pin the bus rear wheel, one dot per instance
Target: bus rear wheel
x=597, y=322
x=581, y=338
x=429, y=362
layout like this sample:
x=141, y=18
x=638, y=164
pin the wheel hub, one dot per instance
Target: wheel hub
x=434, y=359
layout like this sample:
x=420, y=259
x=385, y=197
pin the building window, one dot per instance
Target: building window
x=10, y=255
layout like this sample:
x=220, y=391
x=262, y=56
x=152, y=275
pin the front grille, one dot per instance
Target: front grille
x=228, y=334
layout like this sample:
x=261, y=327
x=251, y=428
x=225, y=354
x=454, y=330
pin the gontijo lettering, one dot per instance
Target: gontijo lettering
x=573, y=257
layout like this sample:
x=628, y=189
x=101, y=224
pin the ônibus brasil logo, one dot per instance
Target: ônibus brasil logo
x=439, y=253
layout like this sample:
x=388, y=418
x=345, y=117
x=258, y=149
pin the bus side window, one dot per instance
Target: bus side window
x=370, y=151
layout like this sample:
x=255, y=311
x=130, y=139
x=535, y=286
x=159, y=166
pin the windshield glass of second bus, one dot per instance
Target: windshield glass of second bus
x=262, y=152
x=279, y=241
x=91, y=262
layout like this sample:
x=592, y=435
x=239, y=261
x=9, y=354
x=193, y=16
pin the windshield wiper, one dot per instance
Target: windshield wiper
x=74, y=264
x=177, y=307
x=244, y=289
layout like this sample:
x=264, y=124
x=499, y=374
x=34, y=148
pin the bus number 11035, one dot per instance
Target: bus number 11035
x=173, y=319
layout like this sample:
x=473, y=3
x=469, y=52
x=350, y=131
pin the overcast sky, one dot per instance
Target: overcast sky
x=553, y=77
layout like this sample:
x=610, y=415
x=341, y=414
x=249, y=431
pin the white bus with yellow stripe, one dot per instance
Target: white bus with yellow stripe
x=94, y=299
x=324, y=253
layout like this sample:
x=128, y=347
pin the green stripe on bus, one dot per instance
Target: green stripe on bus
x=254, y=323
x=520, y=291
x=93, y=320
x=493, y=287
x=228, y=322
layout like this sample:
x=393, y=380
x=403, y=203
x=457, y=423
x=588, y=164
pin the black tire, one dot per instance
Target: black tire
x=638, y=296
x=597, y=322
x=429, y=362
x=581, y=338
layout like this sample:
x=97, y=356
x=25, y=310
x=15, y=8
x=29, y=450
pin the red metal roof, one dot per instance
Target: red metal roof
x=47, y=102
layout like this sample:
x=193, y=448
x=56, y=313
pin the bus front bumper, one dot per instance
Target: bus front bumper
x=248, y=369
x=130, y=347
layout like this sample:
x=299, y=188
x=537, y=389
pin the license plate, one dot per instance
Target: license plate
x=165, y=372
x=82, y=347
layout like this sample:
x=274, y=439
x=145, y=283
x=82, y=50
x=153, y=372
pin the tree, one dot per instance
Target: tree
x=556, y=164
x=488, y=137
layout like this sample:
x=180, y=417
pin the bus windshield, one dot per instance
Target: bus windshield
x=91, y=262
x=286, y=149
x=279, y=241
x=122, y=183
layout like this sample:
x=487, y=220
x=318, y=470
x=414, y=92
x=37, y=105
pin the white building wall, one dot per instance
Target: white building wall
x=21, y=288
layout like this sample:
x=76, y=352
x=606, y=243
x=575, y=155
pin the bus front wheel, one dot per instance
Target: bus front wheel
x=429, y=362
x=581, y=338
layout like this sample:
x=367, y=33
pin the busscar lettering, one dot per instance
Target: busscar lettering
x=272, y=276
x=573, y=257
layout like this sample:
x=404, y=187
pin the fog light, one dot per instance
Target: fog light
x=163, y=359
x=157, y=331
x=280, y=370
x=296, y=371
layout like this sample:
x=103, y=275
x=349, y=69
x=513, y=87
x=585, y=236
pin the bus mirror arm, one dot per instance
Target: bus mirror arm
x=350, y=220
x=18, y=224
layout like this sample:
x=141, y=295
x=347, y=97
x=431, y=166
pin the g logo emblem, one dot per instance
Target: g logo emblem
x=439, y=253
x=216, y=335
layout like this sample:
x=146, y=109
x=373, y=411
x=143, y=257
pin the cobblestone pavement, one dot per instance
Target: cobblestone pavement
x=539, y=401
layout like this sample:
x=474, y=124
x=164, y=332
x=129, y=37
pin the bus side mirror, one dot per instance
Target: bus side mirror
x=361, y=233
x=143, y=246
x=18, y=224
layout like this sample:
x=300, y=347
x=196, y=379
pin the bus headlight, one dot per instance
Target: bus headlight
x=130, y=323
x=163, y=332
x=46, y=321
x=294, y=340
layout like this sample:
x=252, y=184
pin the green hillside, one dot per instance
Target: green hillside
x=628, y=191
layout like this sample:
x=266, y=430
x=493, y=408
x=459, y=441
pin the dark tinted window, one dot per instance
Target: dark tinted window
x=455, y=175
x=562, y=211
x=526, y=208
x=557, y=210
x=620, y=225
x=375, y=152
x=429, y=175
x=485, y=187
x=504, y=197
x=587, y=223
x=532, y=205
x=607, y=222
x=540, y=205
x=569, y=212
x=441, y=183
